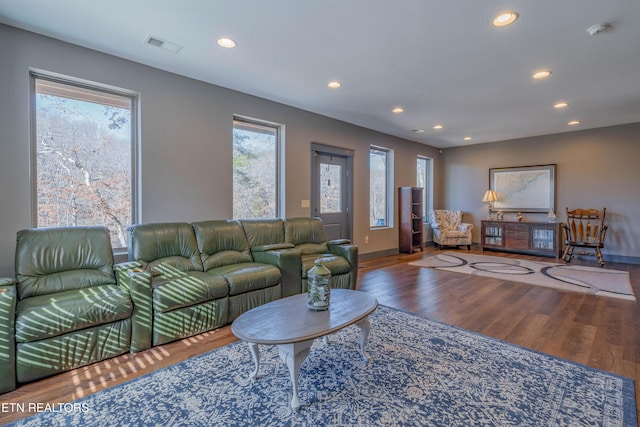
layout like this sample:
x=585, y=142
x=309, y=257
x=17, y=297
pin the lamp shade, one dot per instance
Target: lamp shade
x=490, y=196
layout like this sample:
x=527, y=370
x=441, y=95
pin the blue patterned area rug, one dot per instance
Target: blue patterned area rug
x=422, y=373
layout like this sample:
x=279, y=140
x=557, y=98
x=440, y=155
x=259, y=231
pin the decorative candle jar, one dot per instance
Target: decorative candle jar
x=318, y=286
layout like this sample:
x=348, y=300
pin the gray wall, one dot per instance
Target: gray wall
x=595, y=168
x=185, y=145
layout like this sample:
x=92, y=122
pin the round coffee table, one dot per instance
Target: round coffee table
x=293, y=327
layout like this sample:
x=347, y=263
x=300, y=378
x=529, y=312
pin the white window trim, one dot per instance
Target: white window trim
x=35, y=74
x=389, y=174
x=428, y=191
x=280, y=159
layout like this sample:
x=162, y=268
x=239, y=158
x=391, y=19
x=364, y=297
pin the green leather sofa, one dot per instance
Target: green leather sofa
x=7, y=336
x=70, y=306
x=199, y=276
x=339, y=256
x=65, y=308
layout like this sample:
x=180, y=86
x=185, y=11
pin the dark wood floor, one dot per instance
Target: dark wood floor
x=596, y=331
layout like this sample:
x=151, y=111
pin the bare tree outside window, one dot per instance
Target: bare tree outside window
x=378, y=187
x=83, y=148
x=255, y=170
x=423, y=180
x=330, y=188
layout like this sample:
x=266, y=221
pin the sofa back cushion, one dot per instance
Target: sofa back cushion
x=50, y=260
x=172, y=243
x=263, y=232
x=307, y=234
x=221, y=243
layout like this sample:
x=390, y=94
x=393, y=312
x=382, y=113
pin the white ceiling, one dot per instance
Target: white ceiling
x=441, y=60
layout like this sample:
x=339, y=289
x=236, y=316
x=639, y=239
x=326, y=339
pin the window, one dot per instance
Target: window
x=425, y=181
x=83, y=154
x=256, y=169
x=330, y=188
x=380, y=183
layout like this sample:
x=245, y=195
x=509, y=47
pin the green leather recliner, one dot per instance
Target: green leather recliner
x=7, y=334
x=339, y=256
x=177, y=297
x=225, y=251
x=266, y=240
x=66, y=309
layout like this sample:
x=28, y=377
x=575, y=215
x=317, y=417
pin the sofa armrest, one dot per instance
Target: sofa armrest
x=465, y=227
x=8, y=300
x=272, y=247
x=348, y=251
x=167, y=271
x=131, y=276
x=289, y=261
x=339, y=242
x=126, y=266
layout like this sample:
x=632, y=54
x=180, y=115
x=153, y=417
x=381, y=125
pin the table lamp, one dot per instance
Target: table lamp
x=490, y=196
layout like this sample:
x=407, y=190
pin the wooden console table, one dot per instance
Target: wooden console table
x=535, y=238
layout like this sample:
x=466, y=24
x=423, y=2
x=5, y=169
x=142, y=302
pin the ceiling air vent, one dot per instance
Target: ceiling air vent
x=163, y=44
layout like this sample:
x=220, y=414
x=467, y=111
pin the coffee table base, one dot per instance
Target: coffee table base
x=293, y=354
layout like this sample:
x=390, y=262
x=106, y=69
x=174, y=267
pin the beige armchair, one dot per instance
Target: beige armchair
x=448, y=228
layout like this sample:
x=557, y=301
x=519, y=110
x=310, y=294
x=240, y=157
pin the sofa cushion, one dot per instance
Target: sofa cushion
x=304, y=230
x=221, y=243
x=335, y=264
x=169, y=243
x=51, y=315
x=171, y=292
x=248, y=276
x=51, y=260
x=263, y=232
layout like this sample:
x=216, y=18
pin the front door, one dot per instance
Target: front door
x=331, y=195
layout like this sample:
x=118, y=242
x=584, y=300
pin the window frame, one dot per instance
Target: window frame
x=389, y=196
x=427, y=192
x=279, y=160
x=134, y=98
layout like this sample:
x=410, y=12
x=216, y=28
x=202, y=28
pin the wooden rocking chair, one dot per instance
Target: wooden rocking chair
x=584, y=229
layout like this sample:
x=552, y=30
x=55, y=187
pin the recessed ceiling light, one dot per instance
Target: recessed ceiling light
x=418, y=130
x=397, y=110
x=541, y=74
x=226, y=43
x=561, y=105
x=467, y=138
x=505, y=18
x=574, y=122
x=438, y=127
x=334, y=84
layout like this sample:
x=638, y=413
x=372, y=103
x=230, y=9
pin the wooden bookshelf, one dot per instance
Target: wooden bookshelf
x=410, y=211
